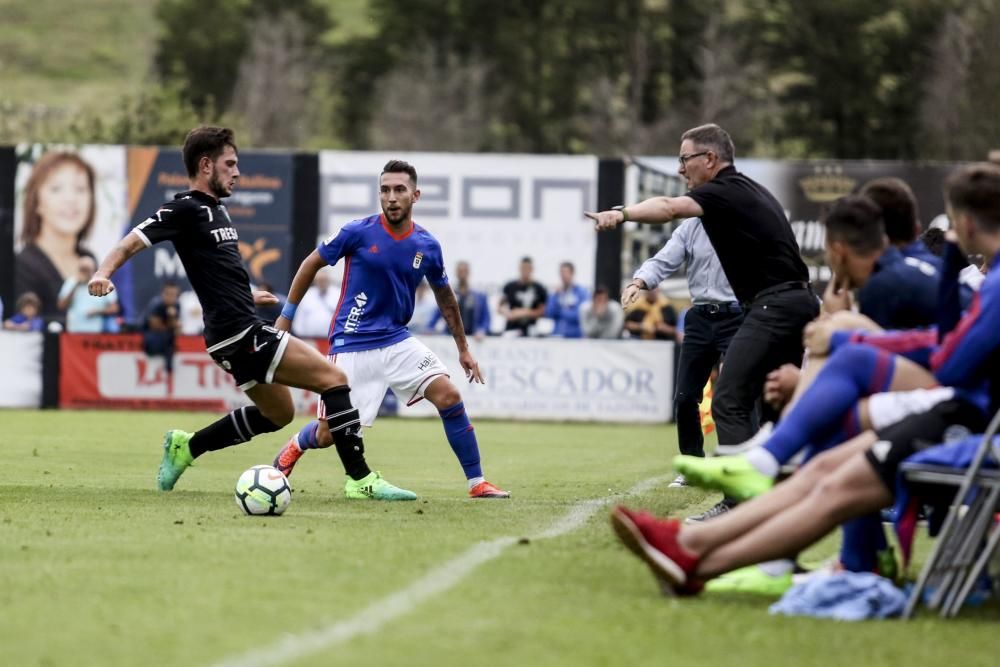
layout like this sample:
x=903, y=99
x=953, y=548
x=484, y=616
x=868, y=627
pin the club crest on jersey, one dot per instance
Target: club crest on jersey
x=419, y=257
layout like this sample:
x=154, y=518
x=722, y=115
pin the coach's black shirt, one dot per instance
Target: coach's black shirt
x=750, y=233
x=206, y=241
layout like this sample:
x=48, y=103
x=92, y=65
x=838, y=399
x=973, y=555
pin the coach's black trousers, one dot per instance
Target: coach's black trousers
x=771, y=335
x=707, y=332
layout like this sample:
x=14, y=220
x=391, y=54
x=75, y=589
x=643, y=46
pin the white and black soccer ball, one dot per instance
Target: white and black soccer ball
x=263, y=490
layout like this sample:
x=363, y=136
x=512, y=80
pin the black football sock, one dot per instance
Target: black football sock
x=345, y=425
x=235, y=428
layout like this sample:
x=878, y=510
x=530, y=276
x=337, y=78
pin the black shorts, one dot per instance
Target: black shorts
x=945, y=422
x=252, y=355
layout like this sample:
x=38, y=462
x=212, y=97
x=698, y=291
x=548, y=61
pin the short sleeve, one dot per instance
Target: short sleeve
x=711, y=196
x=436, y=274
x=340, y=244
x=67, y=288
x=165, y=224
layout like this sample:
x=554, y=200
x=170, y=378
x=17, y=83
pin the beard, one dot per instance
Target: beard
x=402, y=214
x=217, y=187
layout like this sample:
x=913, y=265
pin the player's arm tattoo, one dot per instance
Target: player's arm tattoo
x=448, y=305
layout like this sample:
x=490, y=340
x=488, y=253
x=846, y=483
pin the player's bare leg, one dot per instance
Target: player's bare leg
x=304, y=367
x=444, y=395
x=854, y=372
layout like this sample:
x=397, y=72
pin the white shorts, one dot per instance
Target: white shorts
x=406, y=367
x=888, y=408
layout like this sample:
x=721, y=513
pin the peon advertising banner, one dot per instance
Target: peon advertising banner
x=261, y=209
x=561, y=379
x=488, y=210
x=111, y=371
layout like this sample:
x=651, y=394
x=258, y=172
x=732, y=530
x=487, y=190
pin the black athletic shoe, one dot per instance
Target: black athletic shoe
x=715, y=510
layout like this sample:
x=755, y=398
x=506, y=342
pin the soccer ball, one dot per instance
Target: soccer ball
x=263, y=490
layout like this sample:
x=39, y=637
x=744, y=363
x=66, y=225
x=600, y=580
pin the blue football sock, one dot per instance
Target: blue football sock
x=853, y=372
x=307, y=436
x=462, y=438
x=863, y=539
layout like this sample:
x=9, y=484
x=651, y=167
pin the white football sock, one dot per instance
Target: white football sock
x=476, y=480
x=763, y=461
x=776, y=568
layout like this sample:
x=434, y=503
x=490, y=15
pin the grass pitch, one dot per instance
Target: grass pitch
x=99, y=568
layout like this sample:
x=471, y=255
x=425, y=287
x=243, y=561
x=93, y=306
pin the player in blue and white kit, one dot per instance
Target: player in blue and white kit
x=386, y=256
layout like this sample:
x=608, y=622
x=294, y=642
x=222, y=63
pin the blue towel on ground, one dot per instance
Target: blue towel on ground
x=844, y=596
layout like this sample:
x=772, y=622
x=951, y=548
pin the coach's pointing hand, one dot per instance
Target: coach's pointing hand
x=606, y=219
x=471, y=367
x=100, y=286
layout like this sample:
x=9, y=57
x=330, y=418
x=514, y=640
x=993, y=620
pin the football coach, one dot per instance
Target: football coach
x=759, y=255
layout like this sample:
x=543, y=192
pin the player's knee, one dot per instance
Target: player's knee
x=686, y=401
x=334, y=376
x=446, y=396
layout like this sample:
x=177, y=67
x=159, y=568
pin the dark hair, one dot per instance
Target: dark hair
x=933, y=238
x=401, y=167
x=568, y=265
x=526, y=259
x=601, y=289
x=206, y=141
x=28, y=299
x=857, y=221
x=169, y=282
x=899, y=207
x=714, y=138
x=975, y=190
x=40, y=173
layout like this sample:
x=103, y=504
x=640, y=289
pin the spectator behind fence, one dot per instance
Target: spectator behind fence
x=652, y=318
x=425, y=310
x=26, y=318
x=269, y=312
x=59, y=207
x=161, y=324
x=315, y=311
x=472, y=304
x=192, y=321
x=563, y=305
x=602, y=317
x=86, y=313
x=523, y=301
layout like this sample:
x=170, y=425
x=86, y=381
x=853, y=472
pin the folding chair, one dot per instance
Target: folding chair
x=959, y=555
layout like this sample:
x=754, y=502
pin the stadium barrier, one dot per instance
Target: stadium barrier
x=21, y=355
x=557, y=379
x=538, y=379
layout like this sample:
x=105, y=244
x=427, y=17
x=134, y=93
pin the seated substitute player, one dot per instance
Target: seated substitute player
x=860, y=368
x=263, y=361
x=385, y=257
x=859, y=476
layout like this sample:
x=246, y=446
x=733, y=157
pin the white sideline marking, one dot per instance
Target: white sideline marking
x=441, y=578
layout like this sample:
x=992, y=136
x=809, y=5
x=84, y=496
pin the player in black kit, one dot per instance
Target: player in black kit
x=263, y=361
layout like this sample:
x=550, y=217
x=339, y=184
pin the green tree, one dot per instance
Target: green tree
x=202, y=43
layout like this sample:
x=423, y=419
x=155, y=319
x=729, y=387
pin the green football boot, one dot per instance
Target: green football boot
x=733, y=475
x=372, y=486
x=176, y=458
x=751, y=579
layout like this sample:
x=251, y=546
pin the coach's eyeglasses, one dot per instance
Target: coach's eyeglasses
x=683, y=159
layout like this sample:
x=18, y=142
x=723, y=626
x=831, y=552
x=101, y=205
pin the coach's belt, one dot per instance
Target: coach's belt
x=782, y=287
x=716, y=308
